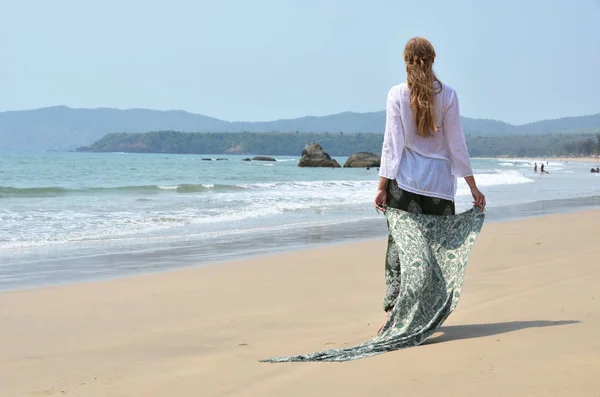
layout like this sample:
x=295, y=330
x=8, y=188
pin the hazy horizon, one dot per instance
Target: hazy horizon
x=280, y=119
x=287, y=59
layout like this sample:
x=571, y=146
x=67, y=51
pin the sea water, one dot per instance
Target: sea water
x=68, y=217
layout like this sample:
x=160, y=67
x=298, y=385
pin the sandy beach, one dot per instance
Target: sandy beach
x=572, y=159
x=590, y=159
x=527, y=325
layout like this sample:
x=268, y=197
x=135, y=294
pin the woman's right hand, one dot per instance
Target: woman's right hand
x=380, y=199
x=478, y=198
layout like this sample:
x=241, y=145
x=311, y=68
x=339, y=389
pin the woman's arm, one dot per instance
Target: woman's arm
x=391, y=151
x=478, y=197
x=381, y=195
x=459, y=154
x=393, y=138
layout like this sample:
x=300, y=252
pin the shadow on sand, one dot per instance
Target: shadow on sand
x=457, y=332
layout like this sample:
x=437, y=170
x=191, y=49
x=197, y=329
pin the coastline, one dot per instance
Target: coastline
x=545, y=158
x=171, y=212
x=202, y=330
x=173, y=259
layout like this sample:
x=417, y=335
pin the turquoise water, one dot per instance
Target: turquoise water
x=75, y=216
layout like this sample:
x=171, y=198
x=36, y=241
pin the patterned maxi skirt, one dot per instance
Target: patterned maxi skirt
x=416, y=204
x=425, y=267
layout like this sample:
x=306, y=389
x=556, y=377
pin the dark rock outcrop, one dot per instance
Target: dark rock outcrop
x=263, y=158
x=313, y=155
x=222, y=159
x=363, y=160
x=205, y=159
x=247, y=159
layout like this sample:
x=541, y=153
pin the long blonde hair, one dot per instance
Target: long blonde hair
x=423, y=84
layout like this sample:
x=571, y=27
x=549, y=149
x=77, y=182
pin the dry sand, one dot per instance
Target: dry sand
x=590, y=159
x=587, y=160
x=528, y=325
x=573, y=159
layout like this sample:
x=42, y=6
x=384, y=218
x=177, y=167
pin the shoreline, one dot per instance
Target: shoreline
x=322, y=239
x=526, y=324
x=590, y=160
x=511, y=213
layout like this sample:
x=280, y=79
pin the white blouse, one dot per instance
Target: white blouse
x=427, y=166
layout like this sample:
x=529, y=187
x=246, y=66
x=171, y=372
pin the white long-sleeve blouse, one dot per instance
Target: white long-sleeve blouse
x=427, y=166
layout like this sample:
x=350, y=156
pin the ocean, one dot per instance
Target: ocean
x=68, y=217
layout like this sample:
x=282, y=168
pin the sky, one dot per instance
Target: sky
x=515, y=61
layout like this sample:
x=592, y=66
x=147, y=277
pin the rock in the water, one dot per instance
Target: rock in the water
x=263, y=158
x=222, y=159
x=205, y=159
x=247, y=159
x=313, y=155
x=363, y=160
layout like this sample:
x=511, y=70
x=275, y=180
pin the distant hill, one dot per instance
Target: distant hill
x=64, y=128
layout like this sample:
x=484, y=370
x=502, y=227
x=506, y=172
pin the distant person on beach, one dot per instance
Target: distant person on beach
x=535, y=167
x=424, y=150
x=542, y=170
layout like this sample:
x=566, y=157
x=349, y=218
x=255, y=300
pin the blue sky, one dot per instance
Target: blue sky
x=516, y=61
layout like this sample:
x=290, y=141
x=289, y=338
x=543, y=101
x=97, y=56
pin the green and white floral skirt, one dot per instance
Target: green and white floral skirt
x=417, y=204
x=429, y=254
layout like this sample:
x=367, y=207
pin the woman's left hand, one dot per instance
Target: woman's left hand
x=478, y=198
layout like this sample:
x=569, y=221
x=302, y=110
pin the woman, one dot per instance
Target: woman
x=424, y=151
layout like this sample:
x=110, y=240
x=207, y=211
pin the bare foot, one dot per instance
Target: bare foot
x=387, y=316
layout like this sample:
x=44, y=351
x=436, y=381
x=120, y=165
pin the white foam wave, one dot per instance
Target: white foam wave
x=175, y=187
x=284, y=202
x=500, y=178
x=309, y=184
x=510, y=177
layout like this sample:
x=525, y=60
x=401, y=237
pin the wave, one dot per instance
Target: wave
x=51, y=191
x=7, y=191
x=235, y=206
x=498, y=178
x=504, y=177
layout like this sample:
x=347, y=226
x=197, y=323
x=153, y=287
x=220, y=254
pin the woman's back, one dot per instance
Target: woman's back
x=426, y=165
x=424, y=149
x=447, y=120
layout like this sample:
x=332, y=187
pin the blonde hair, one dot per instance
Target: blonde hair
x=423, y=84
